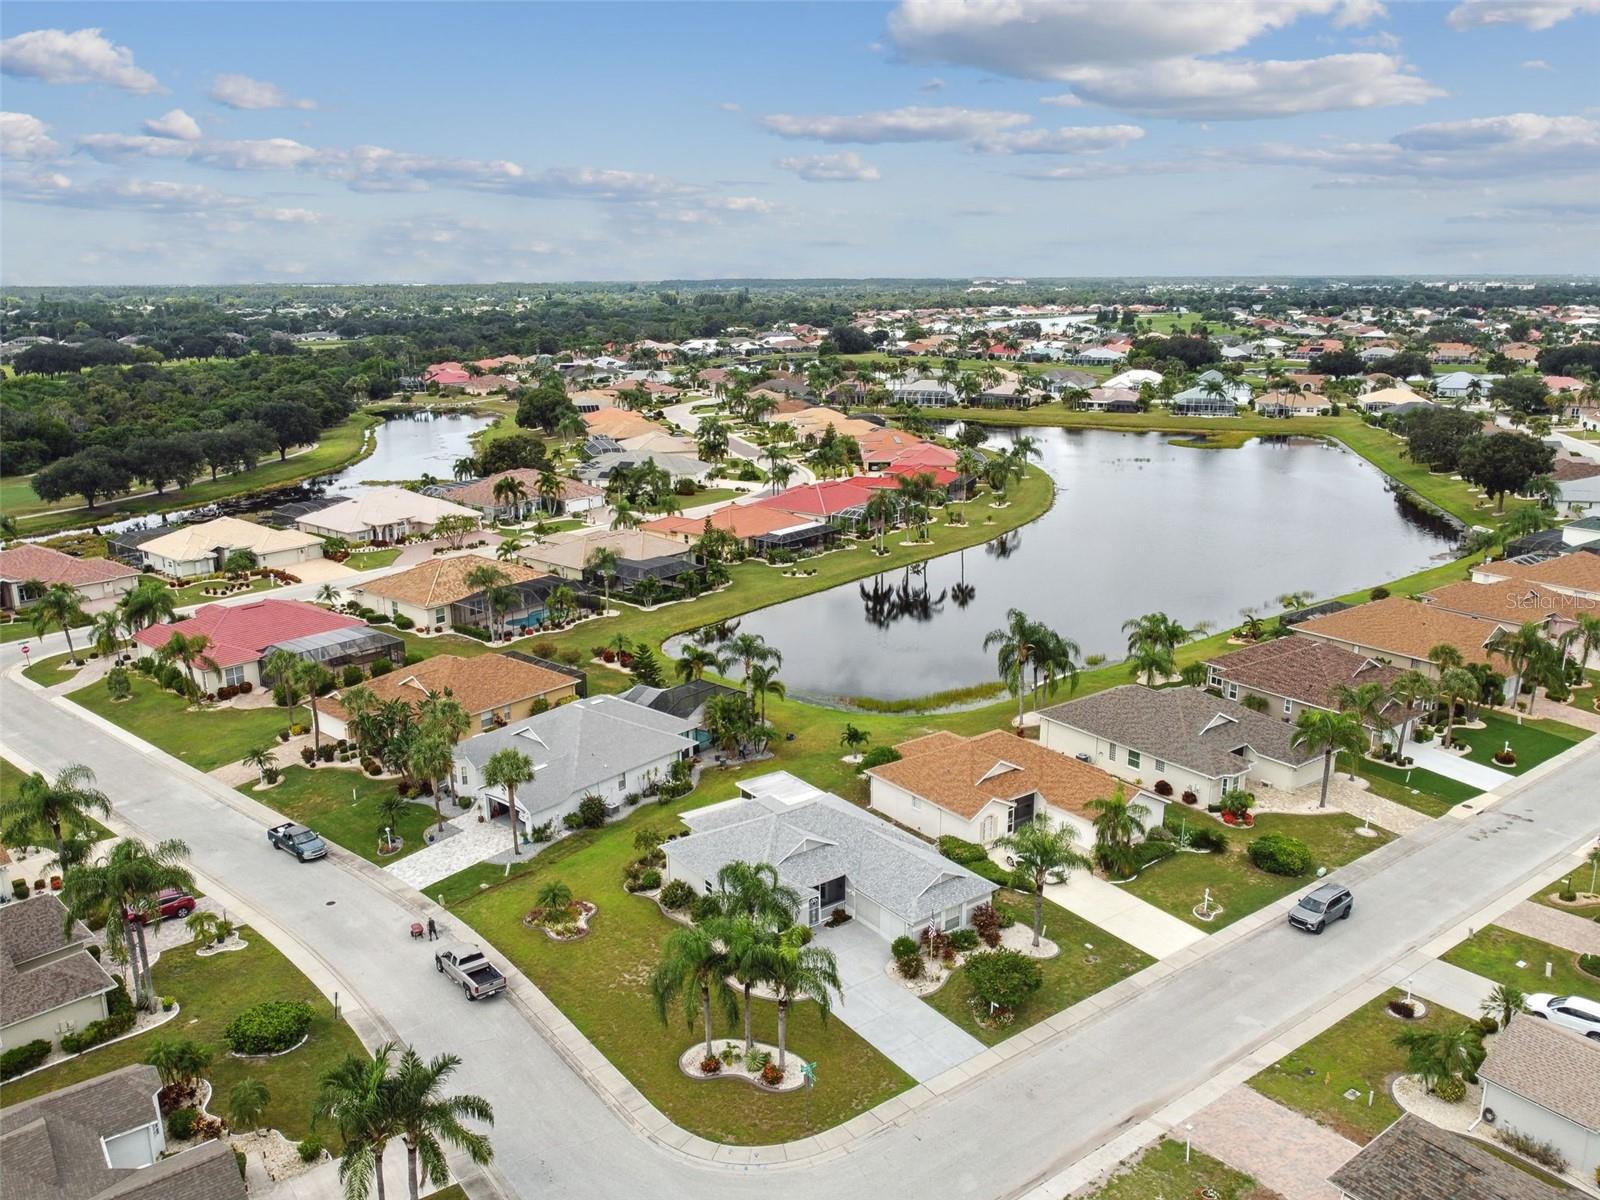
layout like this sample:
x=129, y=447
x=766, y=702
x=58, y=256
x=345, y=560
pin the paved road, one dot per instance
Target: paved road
x=993, y=1137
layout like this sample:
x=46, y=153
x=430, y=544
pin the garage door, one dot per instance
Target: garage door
x=869, y=913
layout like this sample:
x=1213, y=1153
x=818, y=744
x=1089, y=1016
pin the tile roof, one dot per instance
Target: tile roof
x=480, y=492
x=1184, y=725
x=241, y=633
x=1510, y=600
x=1579, y=571
x=620, y=423
x=384, y=506
x=441, y=581
x=30, y=929
x=1413, y=1160
x=821, y=499
x=193, y=542
x=962, y=775
x=1555, y=1068
x=1399, y=626
x=480, y=683
x=571, y=552
x=1308, y=670
x=741, y=520
x=29, y=564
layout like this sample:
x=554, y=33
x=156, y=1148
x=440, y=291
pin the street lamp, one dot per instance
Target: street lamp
x=1188, y=1138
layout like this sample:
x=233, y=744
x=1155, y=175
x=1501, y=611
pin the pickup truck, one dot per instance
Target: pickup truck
x=297, y=840
x=466, y=965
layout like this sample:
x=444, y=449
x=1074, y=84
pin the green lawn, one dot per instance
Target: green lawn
x=1068, y=977
x=709, y=496
x=1535, y=740
x=1177, y=884
x=194, y=593
x=322, y=798
x=1358, y=1052
x=22, y=629
x=211, y=991
x=47, y=672
x=600, y=983
x=1583, y=880
x=1494, y=953
x=1162, y=1174
x=1586, y=698
x=11, y=777
x=369, y=560
x=1427, y=793
x=205, y=740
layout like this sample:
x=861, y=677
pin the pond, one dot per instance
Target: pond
x=1139, y=525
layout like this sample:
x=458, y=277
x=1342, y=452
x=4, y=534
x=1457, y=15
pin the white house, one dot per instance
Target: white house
x=202, y=549
x=982, y=788
x=1544, y=1081
x=382, y=514
x=25, y=570
x=1133, y=380
x=49, y=982
x=925, y=392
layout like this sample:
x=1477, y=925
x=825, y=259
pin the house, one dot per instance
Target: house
x=439, y=593
x=488, y=385
x=840, y=502
x=1511, y=603
x=1583, y=532
x=1393, y=401
x=640, y=555
x=382, y=514
x=202, y=549
x=686, y=701
x=1063, y=379
x=1403, y=633
x=1544, y=1081
x=104, y=1139
x=574, y=498
x=1576, y=574
x=832, y=853
x=1578, y=481
x=1133, y=380
x=925, y=392
x=1453, y=352
x=1416, y=1160
x=495, y=689
x=1194, y=742
x=602, y=467
x=1099, y=356
x=1462, y=385
x=1119, y=400
x=1205, y=399
x=756, y=527
x=446, y=374
x=981, y=788
x=1520, y=352
x=603, y=746
x=27, y=570
x=1293, y=674
x=1293, y=404
x=243, y=635
x=49, y=982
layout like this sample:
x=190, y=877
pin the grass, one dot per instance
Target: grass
x=321, y=799
x=203, y=739
x=22, y=629
x=11, y=777
x=371, y=560
x=600, y=983
x=932, y=702
x=1427, y=793
x=1162, y=1172
x=1535, y=740
x=1358, y=1052
x=1068, y=977
x=1176, y=884
x=709, y=496
x=48, y=672
x=211, y=992
x=1584, y=698
x=1582, y=878
x=1494, y=953
x=194, y=593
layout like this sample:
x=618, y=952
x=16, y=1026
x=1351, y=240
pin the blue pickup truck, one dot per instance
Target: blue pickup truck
x=297, y=840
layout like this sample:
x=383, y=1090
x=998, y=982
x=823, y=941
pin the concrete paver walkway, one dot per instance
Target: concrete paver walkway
x=1569, y=930
x=1444, y=983
x=1347, y=797
x=1122, y=914
x=1453, y=766
x=472, y=843
x=1284, y=1151
x=918, y=1039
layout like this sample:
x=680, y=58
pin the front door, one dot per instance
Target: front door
x=814, y=910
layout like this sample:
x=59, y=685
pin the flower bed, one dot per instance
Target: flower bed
x=730, y=1063
x=570, y=924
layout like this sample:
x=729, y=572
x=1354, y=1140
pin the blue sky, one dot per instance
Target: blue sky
x=172, y=143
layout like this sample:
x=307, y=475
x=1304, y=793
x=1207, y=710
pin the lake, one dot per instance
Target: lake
x=1139, y=525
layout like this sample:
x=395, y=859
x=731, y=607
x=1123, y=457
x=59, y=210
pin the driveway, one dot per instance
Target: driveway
x=915, y=1037
x=1447, y=984
x=1284, y=1151
x=1453, y=766
x=1122, y=914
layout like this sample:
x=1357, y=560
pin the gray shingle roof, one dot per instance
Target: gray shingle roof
x=814, y=840
x=30, y=930
x=1413, y=1160
x=1184, y=725
x=1553, y=1067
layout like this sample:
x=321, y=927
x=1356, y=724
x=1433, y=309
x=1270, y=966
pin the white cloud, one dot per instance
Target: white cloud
x=1381, y=40
x=913, y=124
x=25, y=138
x=241, y=91
x=142, y=195
x=729, y=106
x=84, y=56
x=119, y=147
x=291, y=216
x=740, y=204
x=1537, y=64
x=1530, y=14
x=176, y=124
x=1079, y=139
x=933, y=85
x=1092, y=171
x=1064, y=100
x=847, y=167
x=1231, y=90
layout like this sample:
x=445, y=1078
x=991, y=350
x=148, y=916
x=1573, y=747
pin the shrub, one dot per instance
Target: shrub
x=902, y=947
x=1163, y=788
x=1450, y=1089
x=958, y=850
x=307, y=755
x=706, y=908
x=1405, y=1009
x=1543, y=1153
x=988, y=924
x=676, y=894
x=1280, y=854
x=571, y=822
x=878, y=756
x=1589, y=964
x=309, y=1150
x=23, y=1058
x=401, y=621
x=1488, y=1025
x=592, y=812
x=1379, y=593
x=909, y=966
x=350, y=677
x=96, y=1032
x=771, y=1074
x=268, y=1028
x=381, y=667
x=1003, y=978
x=181, y=1123
x=118, y=1001
x=647, y=881
x=964, y=939
x=1151, y=850
x=710, y=1065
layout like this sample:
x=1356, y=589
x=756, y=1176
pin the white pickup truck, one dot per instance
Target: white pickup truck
x=466, y=965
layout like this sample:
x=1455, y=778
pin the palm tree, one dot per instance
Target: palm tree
x=149, y=602
x=280, y=668
x=753, y=890
x=510, y=492
x=694, y=965
x=1444, y=656
x=1447, y=1054
x=125, y=883
x=1528, y=654
x=693, y=663
x=763, y=681
x=58, y=605
x=801, y=970
x=491, y=582
x=247, y=1100
x=1055, y=658
x=624, y=515
x=431, y=758
x=509, y=769
x=509, y=548
x=747, y=649
x=429, y=1120
x=750, y=946
x=1455, y=685
x=1367, y=701
x=261, y=758
x=880, y=512
x=852, y=739
x=465, y=467
x=68, y=803
x=357, y=1097
x=1503, y=1002
x=1018, y=640
x=1327, y=733
x=603, y=562
x=1410, y=689
x=1151, y=660
x=1045, y=852
x=328, y=594
x=189, y=649
x=105, y=634
x=1117, y=825
x=314, y=679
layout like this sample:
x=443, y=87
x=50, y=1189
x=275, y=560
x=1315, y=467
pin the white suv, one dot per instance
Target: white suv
x=1569, y=1012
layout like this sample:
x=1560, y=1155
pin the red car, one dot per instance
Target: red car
x=174, y=902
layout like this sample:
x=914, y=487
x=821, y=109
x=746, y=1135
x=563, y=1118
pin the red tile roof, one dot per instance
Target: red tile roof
x=823, y=499
x=239, y=633
x=28, y=564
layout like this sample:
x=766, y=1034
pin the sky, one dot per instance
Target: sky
x=478, y=142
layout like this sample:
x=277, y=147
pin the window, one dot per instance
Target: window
x=988, y=828
x=950, y=918
x=438, y=616
x=1288, y=704
x=622, y=783
x=1111, y=751
x=1233, y=691
x=1160, y=766
x=232, y=676
x=463, y=774
x=1134, y=758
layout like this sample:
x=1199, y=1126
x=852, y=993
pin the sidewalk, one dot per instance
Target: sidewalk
x=1458, y=990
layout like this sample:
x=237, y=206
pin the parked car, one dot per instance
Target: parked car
x=466, y=965
x=299, y=841
x=1324, y=903
x=172, y=903
x=1569, y=1012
